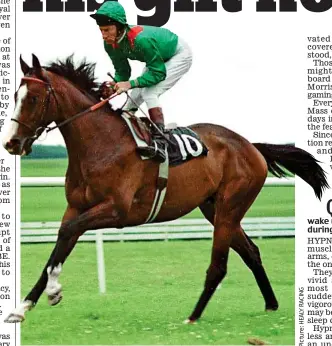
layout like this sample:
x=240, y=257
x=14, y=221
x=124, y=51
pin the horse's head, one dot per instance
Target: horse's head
x=33, y=101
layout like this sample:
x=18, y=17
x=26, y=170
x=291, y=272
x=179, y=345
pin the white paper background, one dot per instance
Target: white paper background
x=249, y=74
x=13, y=280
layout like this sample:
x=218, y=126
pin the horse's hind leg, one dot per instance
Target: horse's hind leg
x=249, y=253
x=231, y=203
x=228, y=213
x=208, y=209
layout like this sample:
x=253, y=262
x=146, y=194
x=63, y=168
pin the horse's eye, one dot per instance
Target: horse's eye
x=33, y=99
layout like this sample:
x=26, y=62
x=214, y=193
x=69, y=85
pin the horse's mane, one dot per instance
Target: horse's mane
x=81, y=74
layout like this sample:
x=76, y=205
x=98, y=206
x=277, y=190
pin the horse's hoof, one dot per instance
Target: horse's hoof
x=55, y=299
x=189, y=321
x=14, y=318
x=271, y=308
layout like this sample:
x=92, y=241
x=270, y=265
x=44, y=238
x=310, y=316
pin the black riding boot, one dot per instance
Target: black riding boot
x=156, y=151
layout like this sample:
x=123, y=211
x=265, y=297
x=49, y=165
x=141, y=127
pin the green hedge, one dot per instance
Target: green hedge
x=47, y=152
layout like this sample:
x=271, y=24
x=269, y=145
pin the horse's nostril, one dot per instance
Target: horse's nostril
x=12, y=143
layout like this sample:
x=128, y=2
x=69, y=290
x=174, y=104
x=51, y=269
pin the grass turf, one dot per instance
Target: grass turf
x=151, y=288
x=43, y=167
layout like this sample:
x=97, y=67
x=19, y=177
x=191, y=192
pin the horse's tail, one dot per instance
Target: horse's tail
x=295, y=160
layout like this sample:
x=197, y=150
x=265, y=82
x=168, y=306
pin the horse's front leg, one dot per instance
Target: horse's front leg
x=32, y=298
x=102, y=215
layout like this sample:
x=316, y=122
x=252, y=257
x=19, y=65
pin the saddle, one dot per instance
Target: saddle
x=141, y=127
x=184, y=144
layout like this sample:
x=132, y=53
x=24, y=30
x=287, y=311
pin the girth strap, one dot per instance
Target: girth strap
x=161, y=189
x=162, y=176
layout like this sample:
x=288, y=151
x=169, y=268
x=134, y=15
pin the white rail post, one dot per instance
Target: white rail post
x=101, y=262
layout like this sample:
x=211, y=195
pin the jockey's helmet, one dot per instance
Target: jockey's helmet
x=111, y=12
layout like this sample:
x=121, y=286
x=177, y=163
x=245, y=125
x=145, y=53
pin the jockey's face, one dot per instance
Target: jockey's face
x=109, y=33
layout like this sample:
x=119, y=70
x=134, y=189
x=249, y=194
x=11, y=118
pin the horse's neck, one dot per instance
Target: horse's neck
x=84, y=136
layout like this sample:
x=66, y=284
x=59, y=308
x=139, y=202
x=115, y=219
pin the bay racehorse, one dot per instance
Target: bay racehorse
x=109, y=186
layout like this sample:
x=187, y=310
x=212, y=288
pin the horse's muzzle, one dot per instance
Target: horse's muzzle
x=18, y=146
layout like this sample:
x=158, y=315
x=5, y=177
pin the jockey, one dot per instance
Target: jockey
x=167, y=59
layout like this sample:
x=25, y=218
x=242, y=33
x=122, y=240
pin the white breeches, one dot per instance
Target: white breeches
x=176, y=67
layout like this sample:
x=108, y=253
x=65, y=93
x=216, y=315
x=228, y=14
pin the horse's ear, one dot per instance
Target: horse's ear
x=24, y=66
x=35, y=62
x=37, y=67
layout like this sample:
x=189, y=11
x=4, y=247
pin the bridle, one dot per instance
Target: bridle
x=50, y=91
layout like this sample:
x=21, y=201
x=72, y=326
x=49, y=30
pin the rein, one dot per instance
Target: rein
x=50, y=91
x=90, y=109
